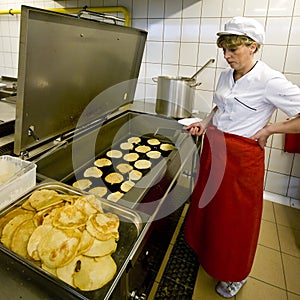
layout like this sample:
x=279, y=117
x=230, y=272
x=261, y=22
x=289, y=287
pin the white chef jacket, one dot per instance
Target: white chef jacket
x=246, y=105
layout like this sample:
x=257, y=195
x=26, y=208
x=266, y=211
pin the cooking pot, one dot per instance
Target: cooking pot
x=175, y=96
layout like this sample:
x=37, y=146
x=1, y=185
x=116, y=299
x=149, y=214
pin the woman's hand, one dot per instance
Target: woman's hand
x=196, y=128
x=261, y=136
x=291, y=125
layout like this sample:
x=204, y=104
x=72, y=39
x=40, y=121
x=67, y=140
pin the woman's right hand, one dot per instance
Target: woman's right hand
x=196, y=128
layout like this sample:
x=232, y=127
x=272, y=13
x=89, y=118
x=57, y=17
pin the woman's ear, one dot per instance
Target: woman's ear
x=253, y=47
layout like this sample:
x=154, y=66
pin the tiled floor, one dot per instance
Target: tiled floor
x=276, y=271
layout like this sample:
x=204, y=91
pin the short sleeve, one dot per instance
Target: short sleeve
x=284, y=95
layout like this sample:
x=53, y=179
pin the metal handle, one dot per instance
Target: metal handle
x=155, y=79
x=99, y=14
x=211, y=61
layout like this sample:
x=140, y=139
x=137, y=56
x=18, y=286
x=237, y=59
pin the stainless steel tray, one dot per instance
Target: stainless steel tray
x=130, y=228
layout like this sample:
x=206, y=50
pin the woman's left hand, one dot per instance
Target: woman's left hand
x=261, y=137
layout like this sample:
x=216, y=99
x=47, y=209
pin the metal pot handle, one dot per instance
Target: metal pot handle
x=155, y=79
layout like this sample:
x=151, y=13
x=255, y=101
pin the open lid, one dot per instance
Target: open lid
x=65, y=65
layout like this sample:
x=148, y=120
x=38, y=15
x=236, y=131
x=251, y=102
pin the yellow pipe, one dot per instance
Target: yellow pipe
x=106, y=9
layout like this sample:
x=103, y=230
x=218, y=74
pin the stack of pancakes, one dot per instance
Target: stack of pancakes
x=69, y=236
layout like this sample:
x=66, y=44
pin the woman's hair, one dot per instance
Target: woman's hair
x=233, y=41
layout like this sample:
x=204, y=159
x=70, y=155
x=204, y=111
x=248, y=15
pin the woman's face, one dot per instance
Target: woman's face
x=240, y=58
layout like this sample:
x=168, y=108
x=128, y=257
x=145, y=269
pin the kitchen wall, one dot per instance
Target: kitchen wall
x=181, y=39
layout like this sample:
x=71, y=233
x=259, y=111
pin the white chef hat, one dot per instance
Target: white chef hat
x=244, y=26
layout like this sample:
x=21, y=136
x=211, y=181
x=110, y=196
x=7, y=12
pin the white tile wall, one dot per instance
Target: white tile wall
x=181, y=38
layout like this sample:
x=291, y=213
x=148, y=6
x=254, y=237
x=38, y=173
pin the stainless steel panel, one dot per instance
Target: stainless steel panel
x=68, y=65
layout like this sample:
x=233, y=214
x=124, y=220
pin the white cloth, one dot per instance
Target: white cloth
x=246, y=105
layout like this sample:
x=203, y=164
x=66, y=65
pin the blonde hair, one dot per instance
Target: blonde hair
x=232, y=41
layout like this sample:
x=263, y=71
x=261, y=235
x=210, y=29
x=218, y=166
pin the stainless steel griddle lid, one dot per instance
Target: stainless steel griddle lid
x=68, y=66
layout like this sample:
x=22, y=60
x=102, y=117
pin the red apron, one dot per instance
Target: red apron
x=223, y=221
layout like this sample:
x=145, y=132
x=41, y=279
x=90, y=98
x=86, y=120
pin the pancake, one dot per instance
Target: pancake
x=127, y=186
x=131, y=157
x=142, y=164
x=115, y=196
x=114, y=153
x=114, y=178
x=135, y=175
x=126, y=146
x=94, y=273
x=153, y=142
x=35, y=238
x=103, y=162
x=153, y=154
x=66, y=273
x=82, y=184
x=142, y=149
x=134, y=140
x=70, y=217
x=101, y=248
x=41, y=199
x=59, y=247
x=10, y=228
x=93, y=172
x=21, y=237
x=103, y=226
x=167, y=147
x=99, y=191
x=124, y=168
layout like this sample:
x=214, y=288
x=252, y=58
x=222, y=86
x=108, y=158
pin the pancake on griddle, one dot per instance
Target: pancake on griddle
x=124, y=168
x=135, y=175
x=167, y=147
x=114, y=197
x=114, y=178
x=131, y=157
x=126, y=146
x=114, y=153
x=127, y=186
x=153, y=142
x=142, y=149
x=93, y=172
x=82, y=184
x=153, y=154
x=103, y=162
x=99, y=191
x=134, y=140
x=142, y=164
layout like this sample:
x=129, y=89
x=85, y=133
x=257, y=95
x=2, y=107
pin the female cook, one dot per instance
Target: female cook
x=223, y=221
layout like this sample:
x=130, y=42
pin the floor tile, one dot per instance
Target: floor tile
x=268, y=211
x=268, y=235
x=267, y=267
x=292, y=296
x=258, y=290
x=287, y=216
x=289, y=240
x=291, y=267
x=205, y=287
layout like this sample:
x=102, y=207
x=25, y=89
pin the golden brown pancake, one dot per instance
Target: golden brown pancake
x=114, y=153
x=103, y=162
x=93, y=172
x=142, y=149
x=131, y=157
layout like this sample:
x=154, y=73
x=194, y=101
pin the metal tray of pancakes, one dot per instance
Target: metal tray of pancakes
x=78, y=241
